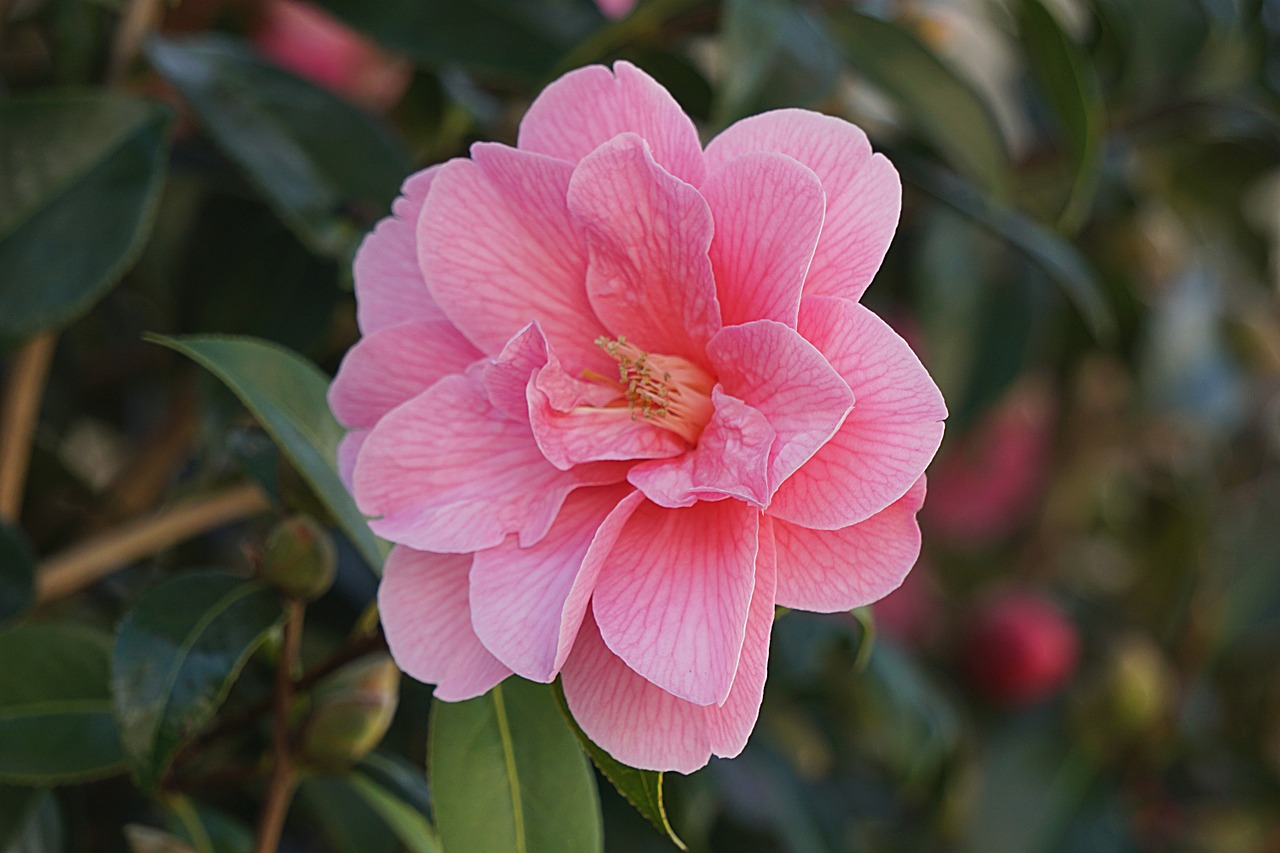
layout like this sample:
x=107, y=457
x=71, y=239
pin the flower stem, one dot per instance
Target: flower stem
x=284, y=773
x=98, y=556
x=18, y=416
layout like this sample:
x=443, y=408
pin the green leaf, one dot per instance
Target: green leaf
x=17, y=572
x=346, y=822
x=933, y=98
x=287, y=394
x=641, y=788
x=55, y=706
x=517, y=38
x=775, y=55
x=508, y=777
x=315, y=157
x=18, y=808
x=1064, y=73
x=80, y=176
x=177, y=653
x=206, y=829
x=409, y=824
x=39, y=829
x=1047, y=251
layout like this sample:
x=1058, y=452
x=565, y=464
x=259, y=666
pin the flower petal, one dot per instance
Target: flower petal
x=390, y=288
x=527, y=603
x=586, y=108
x=888, y=439
x=829, y=571
x=448, y=472
x=423, y=604
x=787, y=380
x=649, y=277
x=348, y=451
x=768, y=212
x=500, y=250
x=387, y=367
x=673, y=595
x=730, y=724
x=864, y=194
x=731, y=460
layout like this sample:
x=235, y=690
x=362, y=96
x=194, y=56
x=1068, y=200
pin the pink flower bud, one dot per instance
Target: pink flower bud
x=1020, y=650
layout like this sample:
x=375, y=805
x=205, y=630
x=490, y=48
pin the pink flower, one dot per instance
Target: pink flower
x=616, y=8
x=616, y=399
x=314, y=44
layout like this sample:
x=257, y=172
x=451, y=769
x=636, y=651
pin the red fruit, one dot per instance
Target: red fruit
x=1021, y=649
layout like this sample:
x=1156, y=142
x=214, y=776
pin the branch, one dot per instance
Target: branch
x=284, y=774
x=18, y=416
x=97, y=557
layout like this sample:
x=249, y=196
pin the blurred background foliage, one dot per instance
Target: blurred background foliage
x=1087, y=657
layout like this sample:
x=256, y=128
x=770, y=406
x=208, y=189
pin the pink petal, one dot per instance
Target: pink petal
x=642, y=725
x=864, y=194
x=889, y=438
x=649, y=277
x=423, y=603
x=389, y=286
x=730, y=724
x=448, y=472
x=673, y=595
x=500, y=250
x=768, y=212
x=586, y=108
x=348, y=450
x=616, y=8
x=527, y=603
x=587, y=434
x=731, y=460
x=787, y=380
x=388, y=367
x=829, y=571
x=637, y=723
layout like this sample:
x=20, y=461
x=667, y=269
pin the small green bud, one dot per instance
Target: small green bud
x=299, y=558
x=350, y=712
x=148, y=839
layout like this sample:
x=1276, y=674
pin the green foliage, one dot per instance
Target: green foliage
x=86, y=164
x=17, y=572
x=56, y=725
x=287, y=395
x=507, y=775
x=177, y=653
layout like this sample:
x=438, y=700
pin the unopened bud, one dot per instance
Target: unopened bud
x=148, y=839
x=1138, y=685
x=350, y=712
x=299, y=558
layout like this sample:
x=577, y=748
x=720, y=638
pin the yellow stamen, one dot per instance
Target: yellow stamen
x=668, y=390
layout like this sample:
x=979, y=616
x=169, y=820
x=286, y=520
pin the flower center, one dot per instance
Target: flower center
x=671, y=392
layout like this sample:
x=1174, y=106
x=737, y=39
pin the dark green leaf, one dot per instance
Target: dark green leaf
x=41, y=831
x=520, y=38
x=207, y=830
x=80, y=176
x=55, y=706
x=287, y=394
x=775, y=55
x=508, y=776
x=1052, y=255
x=641, y=788
x=1064, y=73
x=18, y=807
x=17, y=572
x=343, y=819
x=320, y=161
x=408, y=823
x=177, y=653
x=942, y=106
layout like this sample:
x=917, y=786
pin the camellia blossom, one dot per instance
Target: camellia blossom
x=616, y=399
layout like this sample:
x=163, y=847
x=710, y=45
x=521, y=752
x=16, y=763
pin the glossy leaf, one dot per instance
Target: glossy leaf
x=287, y=394
x=80, y=177
x=1066, y=77
x=319, y=160
x=18, y=808
x=508, y=777
x=206, y=829
x=520, y=38
x=641, y=788
x=17, y=572
x=177, y=653
x=40, y=830
x=776, y=55
x=1051, y=254
x=339, y=815
x=409, y=824
x=56, y=725
x=942, y=106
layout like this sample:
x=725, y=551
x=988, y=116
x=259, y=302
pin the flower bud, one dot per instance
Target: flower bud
x=299, y=558
x=148, y=839
x=1021, y=649
x=350, y=712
